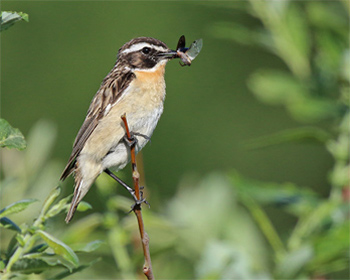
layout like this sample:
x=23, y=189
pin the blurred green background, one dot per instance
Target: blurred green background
x=52, y=66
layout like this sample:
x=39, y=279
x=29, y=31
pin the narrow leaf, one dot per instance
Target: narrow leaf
x=53, y=260
x=7, y=223
x=89, y=247
x=16, y=207
x=59, y=248
x=11, y=137
x=58, y=207
x=27, y=265
x=50, y=199
x=8, y=19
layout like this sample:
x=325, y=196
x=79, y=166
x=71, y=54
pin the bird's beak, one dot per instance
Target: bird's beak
x=170, y=54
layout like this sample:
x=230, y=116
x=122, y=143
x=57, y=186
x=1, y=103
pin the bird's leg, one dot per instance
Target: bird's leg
x=120, y=181
x=137, y=203
x=133, y=140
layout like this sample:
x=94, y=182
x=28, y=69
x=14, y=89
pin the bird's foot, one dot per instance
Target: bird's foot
x=138, y=202
x=132, y=140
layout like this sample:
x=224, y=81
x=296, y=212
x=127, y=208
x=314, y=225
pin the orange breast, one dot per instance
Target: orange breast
x=151, y=76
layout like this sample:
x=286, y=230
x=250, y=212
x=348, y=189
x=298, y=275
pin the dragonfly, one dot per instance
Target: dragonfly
x=187, y=55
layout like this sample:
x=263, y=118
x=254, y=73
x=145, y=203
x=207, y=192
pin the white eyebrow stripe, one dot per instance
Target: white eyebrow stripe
x=140, y=46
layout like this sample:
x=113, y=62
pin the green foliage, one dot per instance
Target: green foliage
x=60, y=248
x=11, y=137
x=7, y=19
x=314, y=51
x=35, y=250
x=316, y=88
x=321, y=223
x=16, y=207
x=30, y=247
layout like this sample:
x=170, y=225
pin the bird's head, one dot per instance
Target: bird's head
x=145, y=53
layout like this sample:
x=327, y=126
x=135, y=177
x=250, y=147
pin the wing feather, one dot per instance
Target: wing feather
x=108, y=94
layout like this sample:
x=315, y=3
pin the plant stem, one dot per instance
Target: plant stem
x=28, y=241
x=266, y=227
x=147, y=267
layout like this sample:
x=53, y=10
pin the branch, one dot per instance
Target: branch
x=147, y=267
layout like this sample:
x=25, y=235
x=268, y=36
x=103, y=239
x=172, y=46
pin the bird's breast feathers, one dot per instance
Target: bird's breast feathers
x=142, y=102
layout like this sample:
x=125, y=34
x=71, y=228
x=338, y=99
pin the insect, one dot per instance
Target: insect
x=188, y=54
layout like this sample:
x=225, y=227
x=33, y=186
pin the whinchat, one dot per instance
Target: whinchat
x=135, y=87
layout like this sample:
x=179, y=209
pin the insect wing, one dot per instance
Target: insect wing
x=195, y=49
x=182, y=43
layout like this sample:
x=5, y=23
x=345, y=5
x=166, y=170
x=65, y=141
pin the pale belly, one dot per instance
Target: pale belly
x=119, y=155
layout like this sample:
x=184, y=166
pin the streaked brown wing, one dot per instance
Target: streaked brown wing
x=109, y=93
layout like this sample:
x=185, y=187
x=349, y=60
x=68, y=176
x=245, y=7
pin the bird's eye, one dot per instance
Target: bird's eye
x=146, y=50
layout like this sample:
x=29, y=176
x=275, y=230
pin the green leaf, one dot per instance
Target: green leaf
x=89, y=247
x=8, y=19
x=7, y=223
x=11, y=137
x=84, y=206
x=59, y=248
x=16, y=207
x=58, y=207
x=28, y=265
x=50, y=199
x=53, y=260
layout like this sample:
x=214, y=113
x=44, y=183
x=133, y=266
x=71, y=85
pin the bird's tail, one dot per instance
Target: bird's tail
x=81, y=188
x=75, y=201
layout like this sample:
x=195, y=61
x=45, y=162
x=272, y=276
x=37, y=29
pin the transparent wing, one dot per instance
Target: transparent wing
x=195, y=49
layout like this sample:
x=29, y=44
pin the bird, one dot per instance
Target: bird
x=135, y=87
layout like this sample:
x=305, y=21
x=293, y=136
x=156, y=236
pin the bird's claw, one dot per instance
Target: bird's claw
x=132, y=140
x=138, y=202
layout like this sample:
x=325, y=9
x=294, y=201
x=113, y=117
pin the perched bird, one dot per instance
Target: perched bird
x=135, y=86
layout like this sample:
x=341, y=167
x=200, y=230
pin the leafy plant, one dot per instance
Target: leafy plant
x=32, y=249
x=7, y=19
x=315, y=88
x=11, y=137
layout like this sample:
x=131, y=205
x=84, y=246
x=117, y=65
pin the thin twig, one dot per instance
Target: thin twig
x=147, y=267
